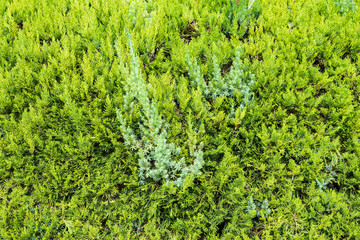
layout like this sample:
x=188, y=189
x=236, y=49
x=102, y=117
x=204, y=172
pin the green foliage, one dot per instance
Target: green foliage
x=261, y=208
x=345, y=6
x=239, y=14
x=76, y=96
x=155, y=153
x=236, y=80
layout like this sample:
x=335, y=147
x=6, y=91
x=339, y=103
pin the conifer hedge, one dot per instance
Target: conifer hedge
x=182, y=119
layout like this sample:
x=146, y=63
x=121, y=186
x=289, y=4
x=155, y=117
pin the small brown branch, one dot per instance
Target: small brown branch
x=5, y=199
x=7, y=202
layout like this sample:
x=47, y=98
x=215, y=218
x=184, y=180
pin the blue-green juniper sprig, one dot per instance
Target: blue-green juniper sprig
x=155, y=152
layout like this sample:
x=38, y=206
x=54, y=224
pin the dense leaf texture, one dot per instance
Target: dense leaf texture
x=279, y=119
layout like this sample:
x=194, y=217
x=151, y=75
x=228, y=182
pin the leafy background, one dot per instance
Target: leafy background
x=289, y=169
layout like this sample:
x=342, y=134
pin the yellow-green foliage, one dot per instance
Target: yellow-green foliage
x=286, y=166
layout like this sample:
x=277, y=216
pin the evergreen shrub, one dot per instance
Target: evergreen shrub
x=183, y=119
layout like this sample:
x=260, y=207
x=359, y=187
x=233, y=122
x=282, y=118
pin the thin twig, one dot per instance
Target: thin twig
x=251, y=2
x=5, y=199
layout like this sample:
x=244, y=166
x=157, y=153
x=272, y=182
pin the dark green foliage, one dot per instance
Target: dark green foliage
x=286, y=166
